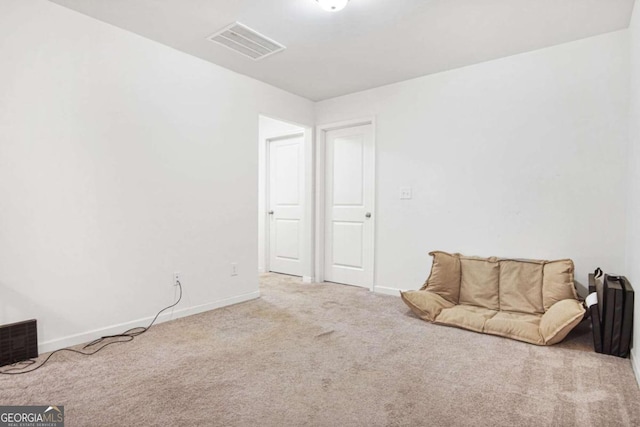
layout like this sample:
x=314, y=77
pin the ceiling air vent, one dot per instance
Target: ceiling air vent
x=246, y=41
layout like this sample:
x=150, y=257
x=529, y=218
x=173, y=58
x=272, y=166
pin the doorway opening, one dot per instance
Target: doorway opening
x=285, y=198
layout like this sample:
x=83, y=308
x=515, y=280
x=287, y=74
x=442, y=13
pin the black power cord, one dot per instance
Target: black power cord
x=126, y=336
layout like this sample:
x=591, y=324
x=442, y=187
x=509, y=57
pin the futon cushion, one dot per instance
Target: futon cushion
x=527, y=300
x=521, y=286
x=425, y=304
x=560, y=319
x=465, y=316
x=444, y=278
x=557, y=283
x=479, y=282
x=519, y=326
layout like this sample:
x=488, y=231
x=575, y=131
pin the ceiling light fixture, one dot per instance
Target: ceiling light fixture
x=332, y=5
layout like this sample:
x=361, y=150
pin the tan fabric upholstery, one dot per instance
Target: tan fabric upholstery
x=465, y=316
x=557, y=283
x=521, y=286
x=479, y=282
x=425, y=304
x=519, y=326
x=560, y=319
x=527, y=300
x=444, y=278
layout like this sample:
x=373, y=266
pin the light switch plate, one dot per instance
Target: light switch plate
x=405, y=193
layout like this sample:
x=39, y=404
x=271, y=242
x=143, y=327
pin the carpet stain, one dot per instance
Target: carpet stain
x=325, y=334
x=330, y=304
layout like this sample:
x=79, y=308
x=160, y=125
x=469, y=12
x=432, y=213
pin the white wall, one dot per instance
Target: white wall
x=121, y=161
x=522, y=157
x=633, y=212
x=269, y=128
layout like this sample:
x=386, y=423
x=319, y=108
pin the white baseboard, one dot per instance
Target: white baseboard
x=307, y=279
x=387, y=291
x=636, y=367
x=83, y=337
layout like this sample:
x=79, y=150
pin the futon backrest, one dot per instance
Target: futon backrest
x=526, y=286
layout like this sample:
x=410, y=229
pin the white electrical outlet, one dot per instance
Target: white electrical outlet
x=177, y=278
x=234, y=269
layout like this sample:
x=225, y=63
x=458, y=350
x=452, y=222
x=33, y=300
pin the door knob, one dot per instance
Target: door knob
x=368, y=214
x=270, y=212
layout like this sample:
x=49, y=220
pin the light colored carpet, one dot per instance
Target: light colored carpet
x=331, y=355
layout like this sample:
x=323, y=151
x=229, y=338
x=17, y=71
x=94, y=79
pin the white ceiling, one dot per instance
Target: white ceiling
x=370, y=43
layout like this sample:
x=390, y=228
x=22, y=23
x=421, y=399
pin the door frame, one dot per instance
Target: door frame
x=267, y=193
x=308, y=255
x=320, y=201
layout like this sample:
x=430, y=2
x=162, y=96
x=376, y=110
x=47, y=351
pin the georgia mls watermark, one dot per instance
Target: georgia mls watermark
x=31, y=416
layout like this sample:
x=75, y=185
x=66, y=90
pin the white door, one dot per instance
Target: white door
x=286, y=204
x=349, y=202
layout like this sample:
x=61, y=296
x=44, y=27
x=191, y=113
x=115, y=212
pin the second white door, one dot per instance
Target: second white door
x=349, y=203
x=286, y=205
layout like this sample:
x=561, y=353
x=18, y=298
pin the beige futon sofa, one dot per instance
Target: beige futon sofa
x=527, y=300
